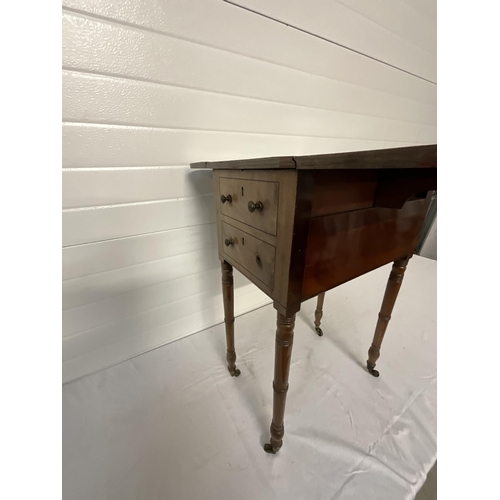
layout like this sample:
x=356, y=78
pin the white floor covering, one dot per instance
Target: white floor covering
x=173, y=424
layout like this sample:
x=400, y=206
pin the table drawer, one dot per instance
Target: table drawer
x=252, y=202
x=254, y=255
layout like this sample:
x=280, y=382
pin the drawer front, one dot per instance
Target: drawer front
x=262, y=194
x=254, y=255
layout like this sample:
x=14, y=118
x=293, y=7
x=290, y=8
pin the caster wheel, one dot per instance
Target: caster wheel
x=269, y=449
x=319, y=331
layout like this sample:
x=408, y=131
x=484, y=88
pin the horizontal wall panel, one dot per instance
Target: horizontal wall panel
x=86, y=188
x=127, y=326
x=246, y=299
x=136, y=301
x=338, y=23
x=92, y=258
x=427, y=8
x=218, y=24
x=118, y=146
x=401, y=19
x=94, y=287
x=89, y=225
x=95, y=46
x=104, y=99
x=98, y=99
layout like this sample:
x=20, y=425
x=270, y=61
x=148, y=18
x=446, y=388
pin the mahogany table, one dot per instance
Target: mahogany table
x=297, y=226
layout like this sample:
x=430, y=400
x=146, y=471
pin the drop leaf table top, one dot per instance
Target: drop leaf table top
x=298, y=226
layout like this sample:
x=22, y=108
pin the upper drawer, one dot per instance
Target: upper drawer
x=252, y=202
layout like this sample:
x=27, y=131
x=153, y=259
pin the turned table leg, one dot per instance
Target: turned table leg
x=228, y=298
x=283, y=355
x=318, y=314
x=390, y=296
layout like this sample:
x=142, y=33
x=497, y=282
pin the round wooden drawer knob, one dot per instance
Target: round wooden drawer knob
x=255, y=206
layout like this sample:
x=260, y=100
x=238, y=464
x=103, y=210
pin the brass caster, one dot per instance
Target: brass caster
x=235, y=373
x=319, y=331
x=269, y=449
x=372, y=370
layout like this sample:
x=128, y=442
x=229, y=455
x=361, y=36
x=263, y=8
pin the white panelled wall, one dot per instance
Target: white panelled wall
x=150, y=86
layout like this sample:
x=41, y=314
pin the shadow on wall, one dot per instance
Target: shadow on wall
x=124, y=296
x=210, y=306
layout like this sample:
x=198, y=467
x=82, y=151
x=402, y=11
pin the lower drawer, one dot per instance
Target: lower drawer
x=253, y=255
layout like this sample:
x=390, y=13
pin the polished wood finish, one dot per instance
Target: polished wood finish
x=405, y=157
x=384, y=316
x=343, y=246
x=318, y=314
x=256, y=256
x=397, y=186
x=243, y=192
x=228, y=299
x=338, y=191
x=301, y=225
x=292, y=226
x=302, y=206
x=282, y=359
x=274, y=163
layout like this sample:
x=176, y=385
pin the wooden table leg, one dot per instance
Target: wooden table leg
x=283, y=356
x=318, y=314
x=390, y=296
x=228, y=298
